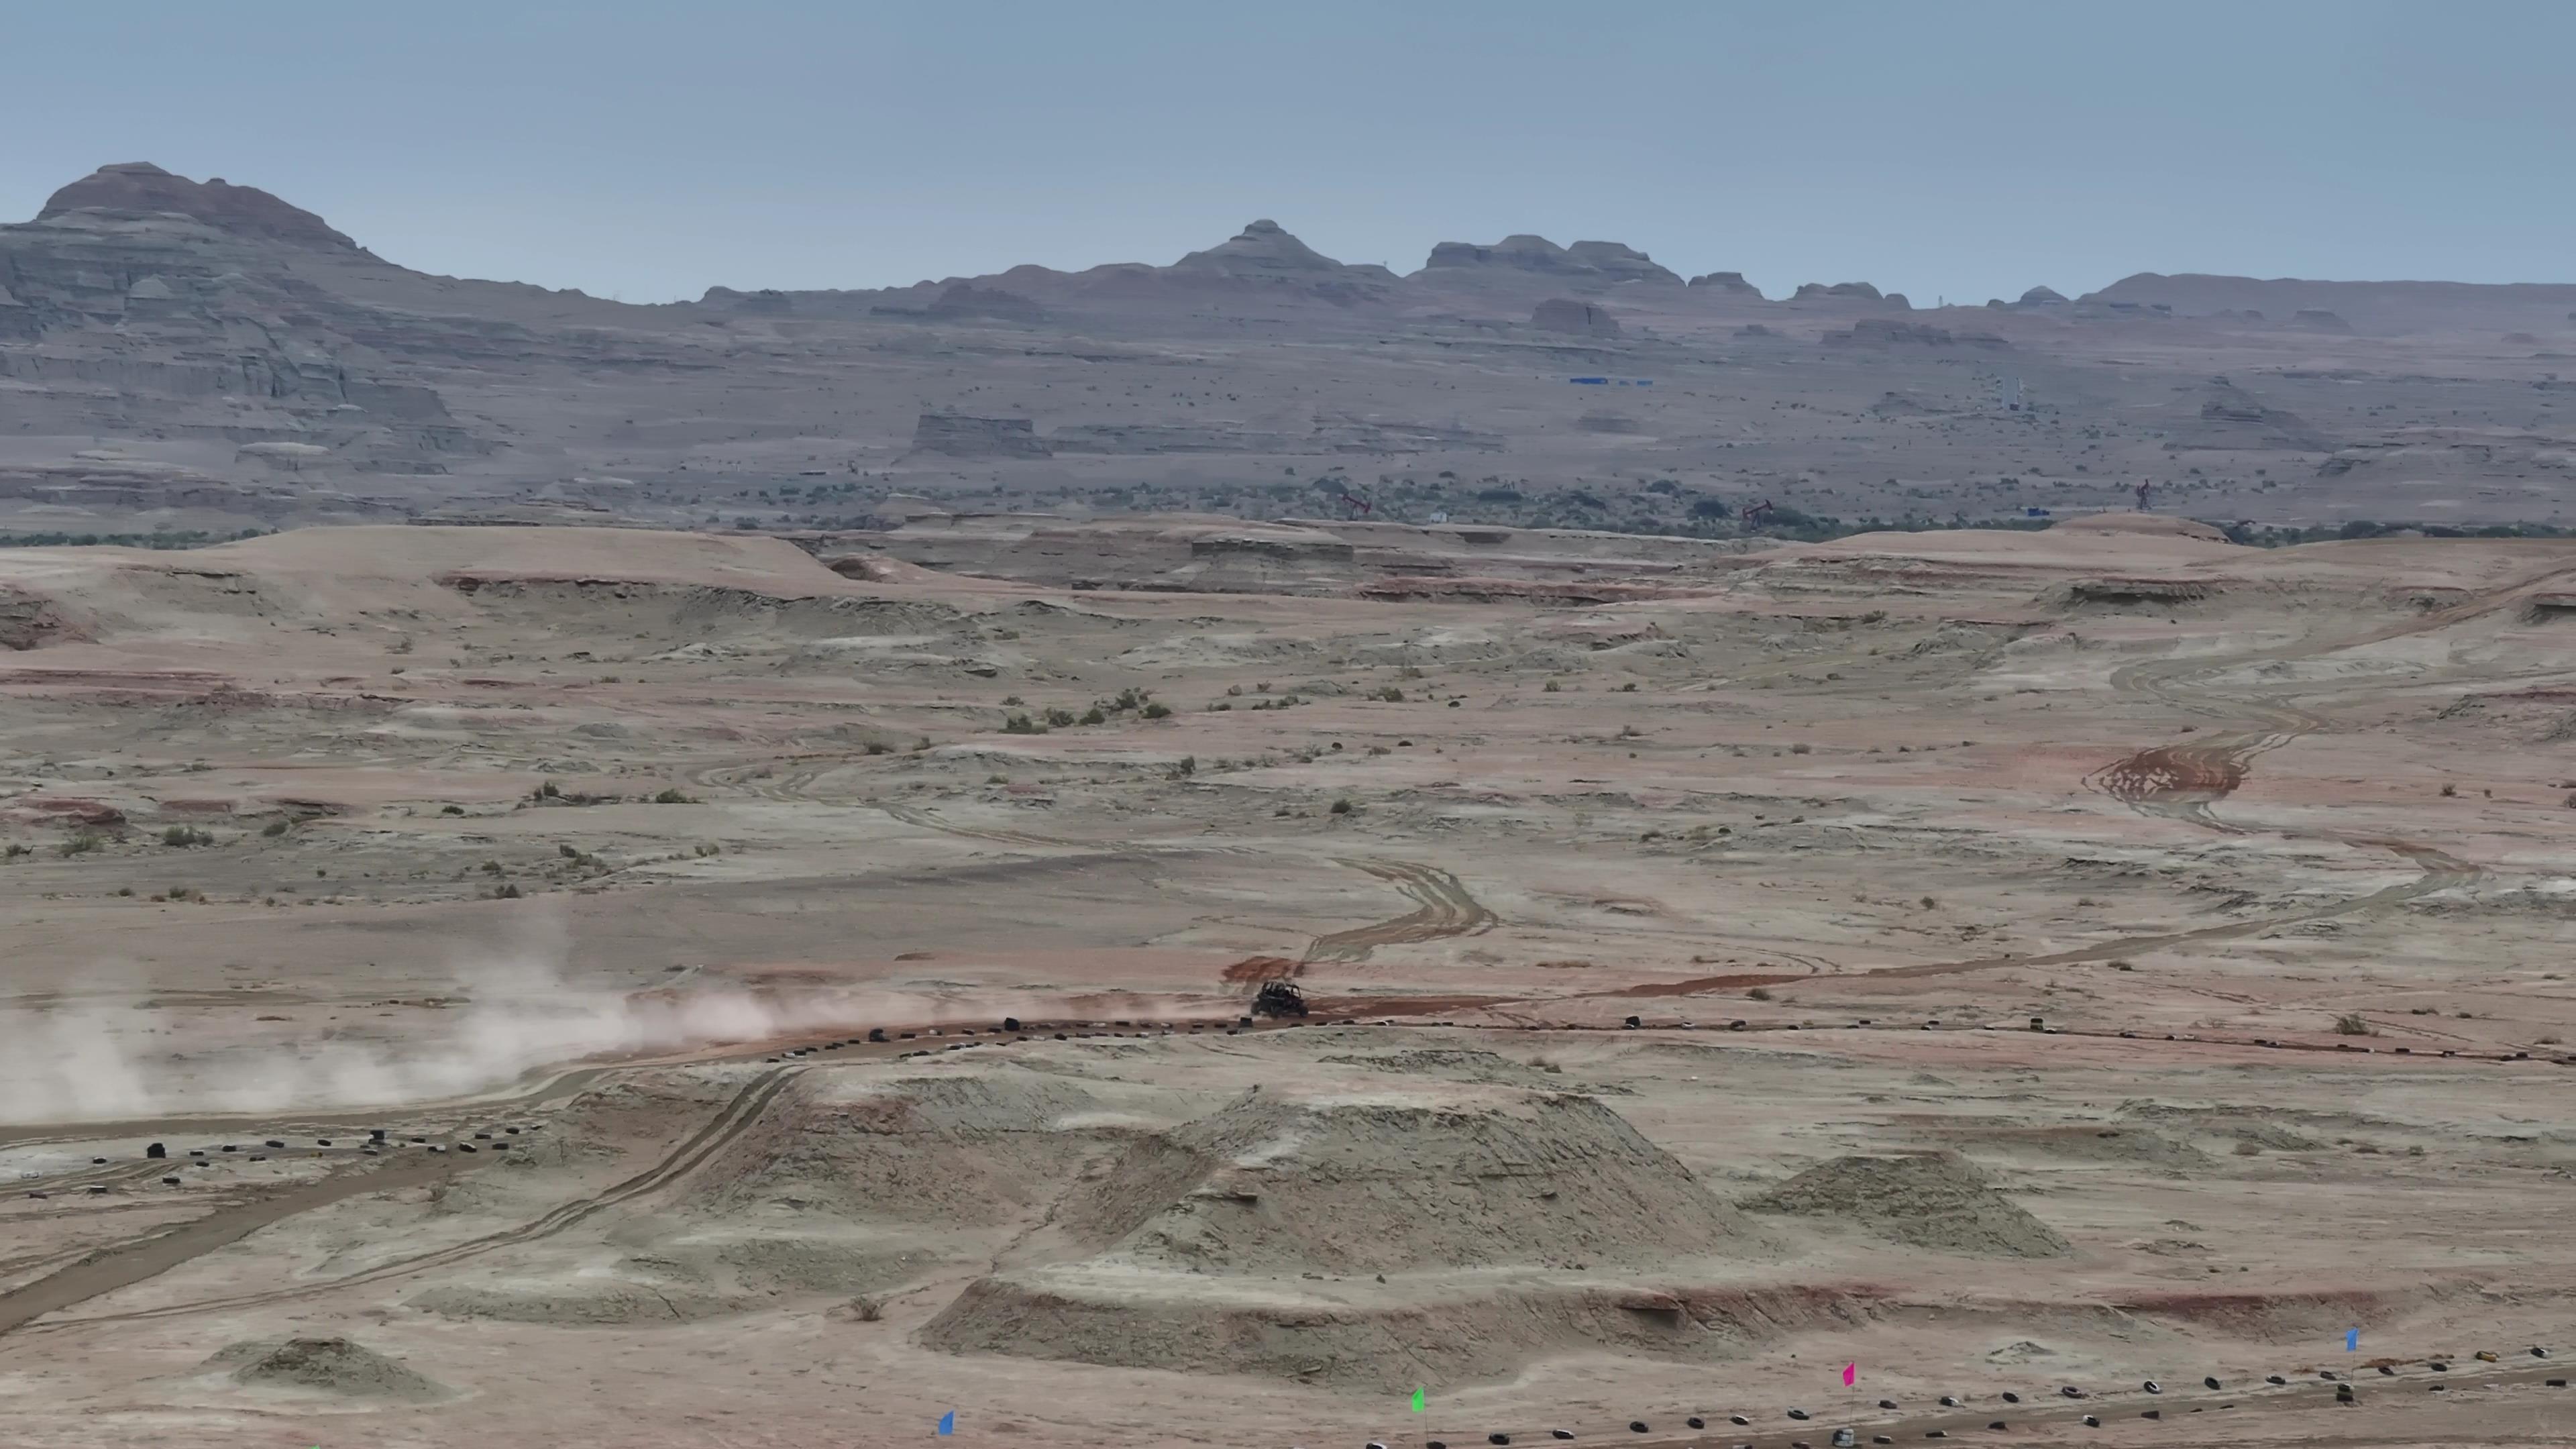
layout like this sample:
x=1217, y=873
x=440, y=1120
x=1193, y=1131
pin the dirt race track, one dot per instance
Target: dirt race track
x=653, y=989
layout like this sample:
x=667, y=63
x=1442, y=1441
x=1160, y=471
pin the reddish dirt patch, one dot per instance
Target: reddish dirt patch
x=65, y=810
x=2212, y=770
x=1354, y=1008
x=1253, y=970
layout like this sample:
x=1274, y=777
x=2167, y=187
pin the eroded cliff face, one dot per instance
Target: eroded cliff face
x=160, y=325
x=198, y=356
x=171, y=345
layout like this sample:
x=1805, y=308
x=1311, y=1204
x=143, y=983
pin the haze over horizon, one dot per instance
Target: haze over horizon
x=1970, y=152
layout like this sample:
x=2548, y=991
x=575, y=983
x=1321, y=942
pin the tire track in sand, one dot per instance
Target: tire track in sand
x=135, y=1262
x=1444, y=909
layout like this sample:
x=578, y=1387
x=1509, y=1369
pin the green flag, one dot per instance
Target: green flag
x=1417, y=1401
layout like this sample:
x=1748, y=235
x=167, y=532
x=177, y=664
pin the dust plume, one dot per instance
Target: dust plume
x=104, y=1052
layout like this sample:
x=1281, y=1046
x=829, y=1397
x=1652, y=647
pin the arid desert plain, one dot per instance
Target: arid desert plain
x=1098, y=924
x=2000, y=962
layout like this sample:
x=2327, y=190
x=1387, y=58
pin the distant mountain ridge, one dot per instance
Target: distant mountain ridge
x=1267, y=257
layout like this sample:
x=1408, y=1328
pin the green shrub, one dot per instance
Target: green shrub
x=186, y=835
x=671, y=796
x=1158, y=710
x=1342, y=806
x=1020, y=724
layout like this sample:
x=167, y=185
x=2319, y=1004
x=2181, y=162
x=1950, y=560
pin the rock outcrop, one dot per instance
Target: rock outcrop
x=1522, y=253
x=251, y=323
x=1265, y=251
x=1601, y=261
x=1620, y=262
x=1838, y=292
x=1726, y=284
x=141, y=187
x=1563, y=314
x=2043, y=297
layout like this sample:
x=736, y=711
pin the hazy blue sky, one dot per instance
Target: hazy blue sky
x=1967, y=149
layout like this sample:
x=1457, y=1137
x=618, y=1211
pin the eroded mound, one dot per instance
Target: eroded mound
x=1362, y=1338
x=971, y=1150
x=1928, y=1200
x=325, y=1365
x=1397, y=1185
x=1375, y=1238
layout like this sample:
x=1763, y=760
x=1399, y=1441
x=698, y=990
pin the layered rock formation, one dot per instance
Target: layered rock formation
x=1563, y=314
x=139, y=187
x=1726, y=284
x=1838, y=292
x=1266, y=252
x=1596, y=261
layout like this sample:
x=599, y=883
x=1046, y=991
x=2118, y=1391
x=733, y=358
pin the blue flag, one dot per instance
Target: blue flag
x=948, y=1422
x=2351, y=1339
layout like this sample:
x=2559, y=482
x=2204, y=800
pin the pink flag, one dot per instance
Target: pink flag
x=1850, y=1371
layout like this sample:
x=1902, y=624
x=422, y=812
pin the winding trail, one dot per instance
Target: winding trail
x=1445, y=909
